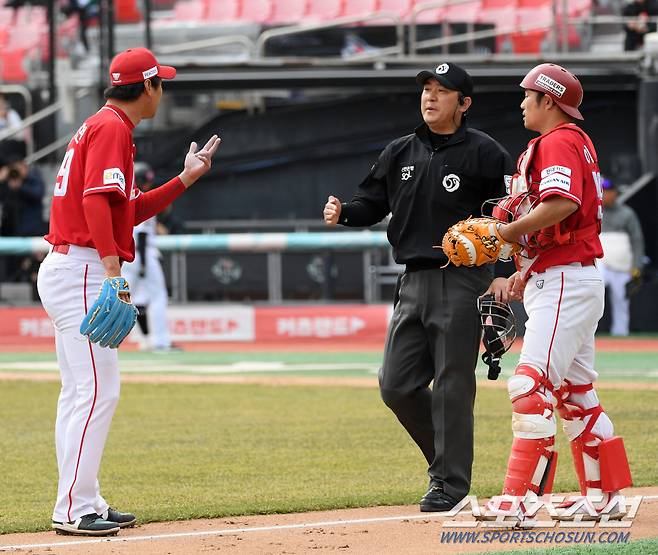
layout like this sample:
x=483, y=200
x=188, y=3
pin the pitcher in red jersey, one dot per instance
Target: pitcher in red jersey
x=562, y=292
x=94, y=209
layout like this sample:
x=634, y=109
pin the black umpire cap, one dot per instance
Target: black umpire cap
x=450, y=76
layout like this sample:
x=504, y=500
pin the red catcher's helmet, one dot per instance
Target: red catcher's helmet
x=558, y=83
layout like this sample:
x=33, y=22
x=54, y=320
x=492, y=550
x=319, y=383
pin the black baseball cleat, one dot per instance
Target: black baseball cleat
x=124, y=520
x=87, y=525
x=436, y=500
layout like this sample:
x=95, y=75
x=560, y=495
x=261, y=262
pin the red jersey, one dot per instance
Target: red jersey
x=563, y=162
x=98, y=160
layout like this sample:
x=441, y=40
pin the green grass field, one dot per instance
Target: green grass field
x=612, y=366
x=180, y=451
x=640, y=547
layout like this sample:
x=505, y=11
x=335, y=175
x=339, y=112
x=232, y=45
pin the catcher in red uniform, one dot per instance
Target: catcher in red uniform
x=554, y=214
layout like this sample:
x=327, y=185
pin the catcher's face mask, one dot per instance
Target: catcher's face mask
x=498, y=331
x=511, y=208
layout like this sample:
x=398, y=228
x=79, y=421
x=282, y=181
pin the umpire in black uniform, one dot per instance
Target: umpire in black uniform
x=429, y=180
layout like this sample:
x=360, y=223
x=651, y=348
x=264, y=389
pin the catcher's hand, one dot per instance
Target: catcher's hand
x=112, y=316
x=477, y=241
x=634, y=285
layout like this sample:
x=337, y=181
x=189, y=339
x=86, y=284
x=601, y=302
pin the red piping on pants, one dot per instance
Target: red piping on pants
x=93, y=404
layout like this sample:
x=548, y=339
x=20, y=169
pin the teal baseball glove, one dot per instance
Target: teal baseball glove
x=111, y=317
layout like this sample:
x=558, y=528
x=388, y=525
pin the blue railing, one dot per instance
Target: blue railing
x=235, y=242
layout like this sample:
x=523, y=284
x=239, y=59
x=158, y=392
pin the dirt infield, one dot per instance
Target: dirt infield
x=400, y=529
x=325, y=381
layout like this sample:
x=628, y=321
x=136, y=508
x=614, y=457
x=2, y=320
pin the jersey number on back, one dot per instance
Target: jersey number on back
x=599, y=194
x=62, y=181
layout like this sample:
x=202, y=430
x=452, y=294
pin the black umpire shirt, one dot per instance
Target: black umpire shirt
x=427, y=189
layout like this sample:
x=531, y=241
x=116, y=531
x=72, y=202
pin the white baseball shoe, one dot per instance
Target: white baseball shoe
x=582, y=508
x=87, y=525
x=507, y=510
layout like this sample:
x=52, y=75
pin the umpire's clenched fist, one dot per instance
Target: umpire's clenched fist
x=332, y=211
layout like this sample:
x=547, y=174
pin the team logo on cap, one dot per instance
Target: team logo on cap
x=451, y=182
x=551, y=85
x=116, y=76
x=443, y=68
x=150, y=72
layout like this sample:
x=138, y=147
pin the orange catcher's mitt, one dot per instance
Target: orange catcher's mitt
x=477, y=241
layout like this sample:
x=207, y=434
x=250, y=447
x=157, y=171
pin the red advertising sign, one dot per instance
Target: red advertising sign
x=330, y=323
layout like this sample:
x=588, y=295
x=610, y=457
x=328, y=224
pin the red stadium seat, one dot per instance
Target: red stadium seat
x=498, y=4
x=288, y=12
x=360, y=7
x=502, y=19
x=577, y=11
x=6, y=16
x=12, y=65
x=534, y=3
x=466, y=13
x=401, y=7
x=324, y=9
x=125, y=11
x=531, y=41
x=190, y=10
x=579, y=8
x=26, y=35
x=433, y=15
x=258, y=11
x=224, y=10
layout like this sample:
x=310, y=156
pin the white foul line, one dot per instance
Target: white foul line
x=242, y=530
x=224, y=532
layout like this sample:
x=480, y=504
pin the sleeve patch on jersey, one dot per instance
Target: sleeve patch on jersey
x=555, y=181
x=555, y=169
x=508, y=183
x=114, y=176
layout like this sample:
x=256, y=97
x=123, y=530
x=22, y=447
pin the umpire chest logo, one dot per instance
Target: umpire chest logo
x=540, y=283
x=451, y=182
x=407, y=173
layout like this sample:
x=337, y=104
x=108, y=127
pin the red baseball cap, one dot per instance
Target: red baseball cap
x=135, y=65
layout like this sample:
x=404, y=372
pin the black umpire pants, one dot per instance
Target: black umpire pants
x=434, y=335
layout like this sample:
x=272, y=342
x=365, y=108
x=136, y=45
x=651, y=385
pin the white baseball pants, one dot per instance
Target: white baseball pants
x=564, y=305
x=68, y=285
